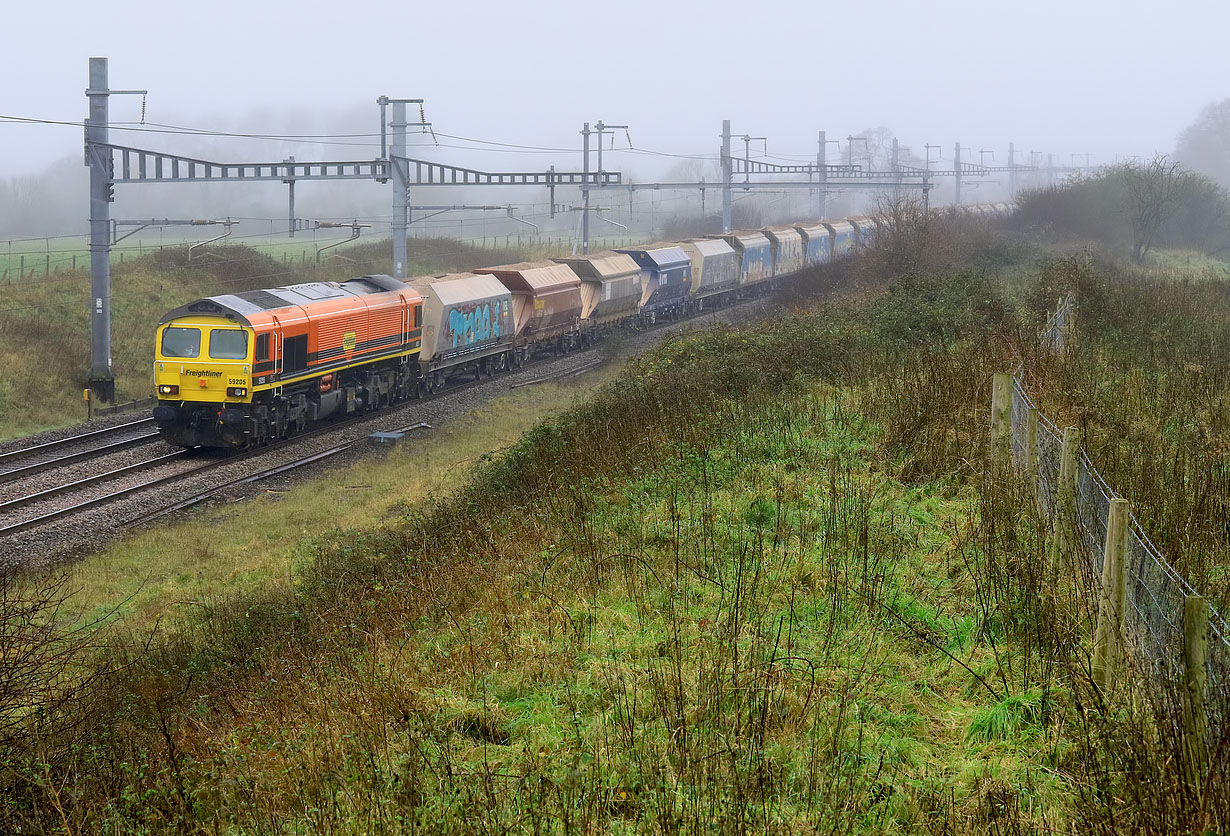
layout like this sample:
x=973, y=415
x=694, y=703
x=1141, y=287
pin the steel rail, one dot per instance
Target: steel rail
x=64, y=442
x=102, y=500
x=51, y=464
x=89, y=480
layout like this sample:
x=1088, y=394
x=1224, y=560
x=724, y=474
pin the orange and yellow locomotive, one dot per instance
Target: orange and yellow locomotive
x=241, y=369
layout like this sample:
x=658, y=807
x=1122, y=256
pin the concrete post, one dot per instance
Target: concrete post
x=1031, y=447
x=956, y=164
x=1195, y=683
x=290, y=183
x=401, y=189
x=897, y=168
x=727, y=173
x=822, y=175
x=101, y=380
x=1012, y=170
x=1001, y=424
x=585, y=190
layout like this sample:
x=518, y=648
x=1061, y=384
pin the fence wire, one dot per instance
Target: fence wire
x=1155, y=594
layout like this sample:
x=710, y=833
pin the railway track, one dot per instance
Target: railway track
x=42, y=517
x=276, y=470
x=38, y=458
x=89, y=485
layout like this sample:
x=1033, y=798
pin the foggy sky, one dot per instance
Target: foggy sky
x=1110, y=77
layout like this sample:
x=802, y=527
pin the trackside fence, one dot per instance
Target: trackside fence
x=1149, y=618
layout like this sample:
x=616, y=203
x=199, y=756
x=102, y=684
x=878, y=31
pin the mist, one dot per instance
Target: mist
x=508, y=89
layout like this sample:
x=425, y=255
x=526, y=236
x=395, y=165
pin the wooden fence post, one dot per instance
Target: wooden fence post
x=1065, y=500
x=1108, y=637
x=1031, y=448
x=1195, y=680
x=1001, y=424
x=1069, y=323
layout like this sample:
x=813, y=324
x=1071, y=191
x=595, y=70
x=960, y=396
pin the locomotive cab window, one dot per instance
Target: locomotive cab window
x=227, y=344
x=181, y=342
x=262, y=347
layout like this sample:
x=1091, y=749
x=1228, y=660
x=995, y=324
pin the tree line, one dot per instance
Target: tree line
x=1137, y=206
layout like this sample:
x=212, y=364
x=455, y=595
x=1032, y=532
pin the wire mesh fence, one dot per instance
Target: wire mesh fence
x=1155, y=592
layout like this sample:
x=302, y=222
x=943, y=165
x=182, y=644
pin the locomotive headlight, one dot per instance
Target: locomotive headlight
x=236, y=391
x=168, y=389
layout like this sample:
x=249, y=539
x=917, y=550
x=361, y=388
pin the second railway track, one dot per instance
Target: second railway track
x=37, y=458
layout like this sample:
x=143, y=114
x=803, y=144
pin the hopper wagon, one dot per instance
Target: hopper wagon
x=817, y=247
x=786, y=246
x=864, y=230
x=467, y=327
x=546, y=305
x=841, y=237
x=755, y=255
x=715, y=269
x=612, y=285
x=668, y=278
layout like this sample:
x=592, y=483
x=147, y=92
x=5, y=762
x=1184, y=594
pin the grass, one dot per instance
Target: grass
x=1144, y=385
x=1011, y=717
x=223, y=551
x=1186, y=264
x=660, y=654
x=64, y=254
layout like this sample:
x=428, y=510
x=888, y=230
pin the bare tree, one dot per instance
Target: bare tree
x=48, y=669
x=1152, y=189
x=876, y=150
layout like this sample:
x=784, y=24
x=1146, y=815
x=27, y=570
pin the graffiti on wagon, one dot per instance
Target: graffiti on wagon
x=476, y=322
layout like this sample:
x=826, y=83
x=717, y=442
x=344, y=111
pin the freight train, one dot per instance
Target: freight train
x=239, y=370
